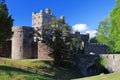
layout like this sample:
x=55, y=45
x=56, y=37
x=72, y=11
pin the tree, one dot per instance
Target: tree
x=76, y=45
x=56, y=35
x=115, y=26
x=103, y=35
x=6, y=23
x=109, y=30
x=103, y=31
x=93, y=40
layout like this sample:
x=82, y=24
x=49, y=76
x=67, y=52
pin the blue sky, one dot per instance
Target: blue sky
x=85, y=13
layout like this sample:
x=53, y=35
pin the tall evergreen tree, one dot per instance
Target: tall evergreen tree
x=55, y=35
x=6, y=23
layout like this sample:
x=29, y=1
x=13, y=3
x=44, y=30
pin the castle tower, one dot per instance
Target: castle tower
x=22, y=42
x=38, y=19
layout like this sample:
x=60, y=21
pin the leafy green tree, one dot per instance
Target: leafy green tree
x=6, y=23
x=115, y=26
x=103, y=31
x=109, y=30
x=103, y=35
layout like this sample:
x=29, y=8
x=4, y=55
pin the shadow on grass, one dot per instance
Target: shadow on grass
x=66, y=71
x=20, y=74
x=9, y=69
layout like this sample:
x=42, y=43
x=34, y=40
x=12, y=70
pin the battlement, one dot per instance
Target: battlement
x=42, y=17
x=47, y=11
x=96, y=45
x=22, y=29
x=95, y=48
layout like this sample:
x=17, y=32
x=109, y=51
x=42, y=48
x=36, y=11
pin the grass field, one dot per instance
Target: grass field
x=12, y=73
x=44, y=67
x=112, y=76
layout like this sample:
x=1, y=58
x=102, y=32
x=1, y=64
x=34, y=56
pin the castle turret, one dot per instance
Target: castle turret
x=38, y=19
x=48, y=11
x=62, y=17
x=22, y=42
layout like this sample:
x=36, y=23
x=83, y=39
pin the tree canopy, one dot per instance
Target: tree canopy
x=6, y=23
x=108, y=31
x=115, y=26
x=55, y=35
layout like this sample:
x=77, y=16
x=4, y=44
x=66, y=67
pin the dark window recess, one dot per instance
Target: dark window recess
x=20, y=48
x=20, y=35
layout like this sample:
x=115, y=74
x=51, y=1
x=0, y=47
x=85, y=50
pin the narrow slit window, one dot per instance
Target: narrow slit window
x=20, y=35
x=20, y=48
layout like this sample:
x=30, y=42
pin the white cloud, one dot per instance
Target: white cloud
x=79, y=27
x=91, y=33
x=83, y=28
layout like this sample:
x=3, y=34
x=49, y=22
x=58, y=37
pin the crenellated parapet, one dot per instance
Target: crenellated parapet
x=95, y=48
x=96, y=45
x=38, y=19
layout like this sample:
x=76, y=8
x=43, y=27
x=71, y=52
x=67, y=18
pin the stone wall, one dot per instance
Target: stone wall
x=95, y=48
x=43, y=51
x=22, y=42
x=113, y=62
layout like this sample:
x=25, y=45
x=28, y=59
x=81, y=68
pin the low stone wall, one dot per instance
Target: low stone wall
x=112, y=62
x=43, y=51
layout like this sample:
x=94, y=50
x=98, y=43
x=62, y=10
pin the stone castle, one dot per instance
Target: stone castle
x=24, y=43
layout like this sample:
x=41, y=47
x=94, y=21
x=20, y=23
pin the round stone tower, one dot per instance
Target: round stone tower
x=22, y=42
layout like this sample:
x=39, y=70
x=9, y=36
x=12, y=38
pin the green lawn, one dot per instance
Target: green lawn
x=12, y=73
x=44, y=67
x=112, y=76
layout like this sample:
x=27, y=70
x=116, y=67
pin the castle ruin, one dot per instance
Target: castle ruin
x=25, y=43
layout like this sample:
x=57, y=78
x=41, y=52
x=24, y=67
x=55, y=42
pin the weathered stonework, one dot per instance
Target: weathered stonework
x=38, y=19
x=43, y=51
x=95, y=48
x=22, y=42
x=112, y=62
